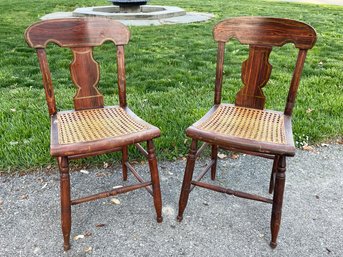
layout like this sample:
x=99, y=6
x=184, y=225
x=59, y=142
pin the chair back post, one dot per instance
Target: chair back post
x=292, y=93
x=47, y=82
x=121, y=75
x=219, y=73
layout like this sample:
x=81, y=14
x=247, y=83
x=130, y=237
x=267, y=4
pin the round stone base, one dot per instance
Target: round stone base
x=144, y=12
x=149, y=15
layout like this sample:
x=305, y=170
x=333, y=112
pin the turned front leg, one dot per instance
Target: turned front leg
x=65, y=200
x=187, y=179
x=277, y=200
x=155, y=180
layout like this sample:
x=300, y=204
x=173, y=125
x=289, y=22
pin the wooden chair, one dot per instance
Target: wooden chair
x=92, y=128
x=246, y=126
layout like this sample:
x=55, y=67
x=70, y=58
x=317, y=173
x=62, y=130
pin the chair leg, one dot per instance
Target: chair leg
x=277, y=200
x=155, y=180
x=124, y=160
x=187, y=179
x=214, y=158
x=65, y=200
x=272, y=175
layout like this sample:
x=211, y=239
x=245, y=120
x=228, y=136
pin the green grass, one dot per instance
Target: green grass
x=170, y=75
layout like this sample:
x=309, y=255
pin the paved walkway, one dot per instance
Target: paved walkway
x=214, y=224
x=332, y=2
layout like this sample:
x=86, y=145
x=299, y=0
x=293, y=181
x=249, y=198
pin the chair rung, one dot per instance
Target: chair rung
x=137, y=176
x=264, y=155
x=232, y=192
x=142, y=150
x=113, y=192
x=202, y=174
x=201, y=149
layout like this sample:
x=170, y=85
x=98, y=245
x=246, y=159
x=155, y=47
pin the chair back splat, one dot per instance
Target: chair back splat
x=80, y=36
x=261, y=34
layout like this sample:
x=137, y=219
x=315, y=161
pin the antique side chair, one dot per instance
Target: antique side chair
x=92, y=128
x=247, y=126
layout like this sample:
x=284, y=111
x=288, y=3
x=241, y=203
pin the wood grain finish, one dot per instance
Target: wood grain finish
x=295, y=82
x=87, y=95
x=121, y=76
x=214, y=153
x=266, y=31
x=78, y=32
x=92, y=128
x=187, y=179
x=47, y=82
x=65, y=200
x=278, y=200
x=255, y=75
x=247, y=127
x=155, y=180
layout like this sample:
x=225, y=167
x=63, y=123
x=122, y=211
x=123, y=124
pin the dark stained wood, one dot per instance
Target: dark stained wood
x=125, y=157
x=65, y=200
x=219, y=73
x=47, y=82
x=117, y=191
x=232, y=149
x=203, y=173
x=277, y=200
x=142, y=150
x=232, y=192
x=266, y=31
x=261, y=34
x=89, y=154
x=186, y=184
x=81, y=35
x=273, y=174
x=121, y=76
x=201, y=149
x=78, y=32
x=138, y=177
x=255, y=75
x=295, y=82
x=214, y=157
x=155, y=180
x=87, y=95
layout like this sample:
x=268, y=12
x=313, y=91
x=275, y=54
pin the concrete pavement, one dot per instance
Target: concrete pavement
x=214, y=224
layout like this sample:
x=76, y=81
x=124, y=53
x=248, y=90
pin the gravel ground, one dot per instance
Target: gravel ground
x=214, y=224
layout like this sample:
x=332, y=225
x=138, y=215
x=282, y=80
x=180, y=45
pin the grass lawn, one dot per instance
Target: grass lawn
x=170, y=75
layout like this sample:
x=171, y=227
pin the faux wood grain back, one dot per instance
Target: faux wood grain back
x=80, y=35
x=265, y=31
x=78, y=32
x=261, y=34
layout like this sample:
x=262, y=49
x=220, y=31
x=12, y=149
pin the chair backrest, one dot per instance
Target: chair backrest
x=261, y=34
x=80, y=35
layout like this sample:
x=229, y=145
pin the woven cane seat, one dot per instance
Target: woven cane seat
x=236, y=126
x=111, y=126
x=95, y=124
